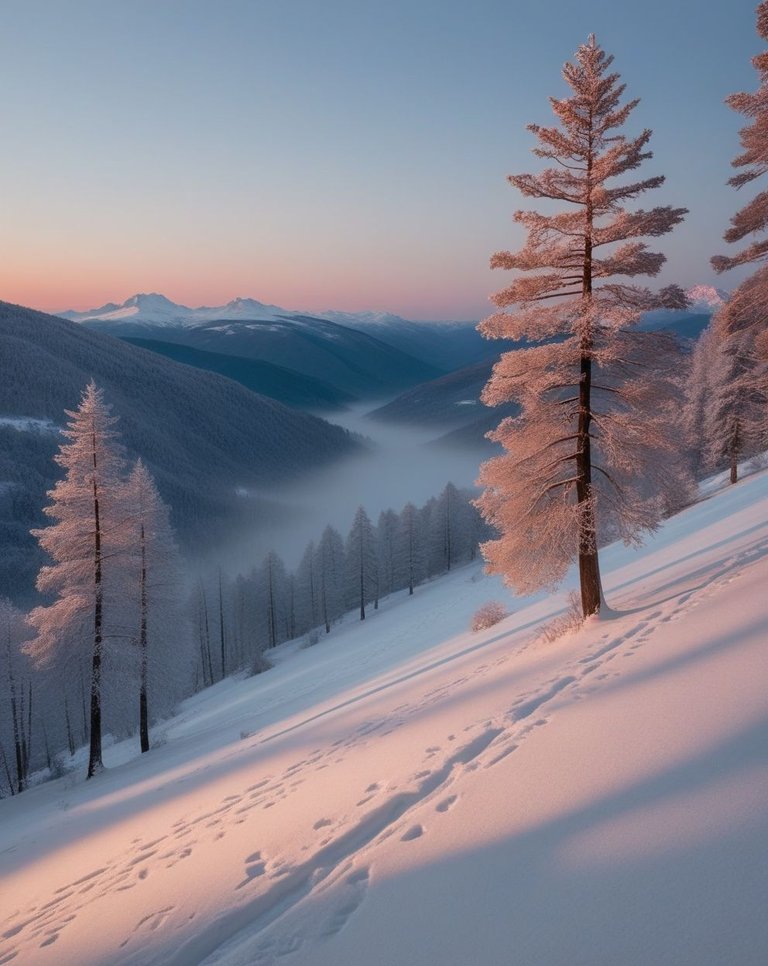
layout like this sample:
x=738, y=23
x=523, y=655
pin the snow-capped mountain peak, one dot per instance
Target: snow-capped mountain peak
x=156, y=309
x=706, y=298
x=142, y=307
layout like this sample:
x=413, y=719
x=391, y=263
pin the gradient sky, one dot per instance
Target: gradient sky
x=346, y=154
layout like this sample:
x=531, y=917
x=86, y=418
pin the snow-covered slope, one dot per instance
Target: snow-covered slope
x=407, y=792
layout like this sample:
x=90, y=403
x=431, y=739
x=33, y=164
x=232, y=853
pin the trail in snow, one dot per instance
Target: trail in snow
x=246, y=850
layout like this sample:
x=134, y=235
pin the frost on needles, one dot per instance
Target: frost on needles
x=590, y=454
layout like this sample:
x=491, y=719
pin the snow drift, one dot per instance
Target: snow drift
x=410, y=792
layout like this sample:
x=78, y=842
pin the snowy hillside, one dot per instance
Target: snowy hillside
x=408, y=792
x=213, y=435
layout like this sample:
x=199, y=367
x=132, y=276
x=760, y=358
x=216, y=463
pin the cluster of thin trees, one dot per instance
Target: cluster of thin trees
x=240, y=619
x=106, y=648
x=596, y=450
x=114, y=646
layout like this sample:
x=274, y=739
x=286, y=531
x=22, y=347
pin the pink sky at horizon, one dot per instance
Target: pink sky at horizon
x=151, y=151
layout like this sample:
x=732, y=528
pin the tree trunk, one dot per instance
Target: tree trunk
x=95, y=763
x=68, y=723
x=735, y=450
x=221, y=631
x=16, y=725
x=589, y=568
x=143, y=652
x=362, y=578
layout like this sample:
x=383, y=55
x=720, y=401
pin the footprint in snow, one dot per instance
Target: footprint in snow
x=254, y=868
x=414, y=832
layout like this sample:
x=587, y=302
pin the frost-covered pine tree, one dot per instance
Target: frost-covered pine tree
x=409, y=553
x=361, y=560
x=155, y=580
x=84, y=545
x=736, y=404
x=307, y=589
x=699, y=379
x=16, y=690
x=386, y=543
x=330, y=576
x=753, y=162
x=588, y=445
x=273, y=581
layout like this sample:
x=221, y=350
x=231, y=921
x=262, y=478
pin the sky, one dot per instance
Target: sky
x=331, y=154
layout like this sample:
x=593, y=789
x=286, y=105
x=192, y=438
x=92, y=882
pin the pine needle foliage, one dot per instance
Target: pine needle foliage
x=590, y=454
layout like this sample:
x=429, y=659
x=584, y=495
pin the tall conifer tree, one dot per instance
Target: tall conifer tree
x=590, y=389
x=80, y=541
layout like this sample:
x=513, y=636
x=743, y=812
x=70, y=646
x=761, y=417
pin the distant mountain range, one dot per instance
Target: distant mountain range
x=442, y=346
x=207, y=439
x=155, y=309
x=451, y=403
x=353, y=362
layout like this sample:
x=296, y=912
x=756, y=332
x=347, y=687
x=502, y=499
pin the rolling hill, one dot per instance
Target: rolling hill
x=353, y=362
x=206, y=438
x=285, y=385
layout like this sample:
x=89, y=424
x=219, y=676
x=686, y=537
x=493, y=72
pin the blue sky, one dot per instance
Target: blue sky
x=320, y=154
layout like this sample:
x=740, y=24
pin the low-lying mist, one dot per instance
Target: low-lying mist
x=397, y=467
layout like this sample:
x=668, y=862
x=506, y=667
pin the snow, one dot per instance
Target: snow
x=158, y=310
x=706, y=298
x=407, y=791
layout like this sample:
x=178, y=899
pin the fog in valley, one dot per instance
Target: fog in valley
x=397, y=467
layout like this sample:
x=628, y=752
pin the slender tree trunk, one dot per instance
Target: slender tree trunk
x=221, y=631
x=589, y=568
x=27, y=737
x=271, y=615
x=448, y=542
x=46, y=746
x=362, y=578
x=68, y=723
x=143, y=651
x=410, y=562
x=205, y=638
x=83, y=705
x=95, y=763
x=734, y=454
x=17, y=724
x=7, y=770
x=291, y=607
